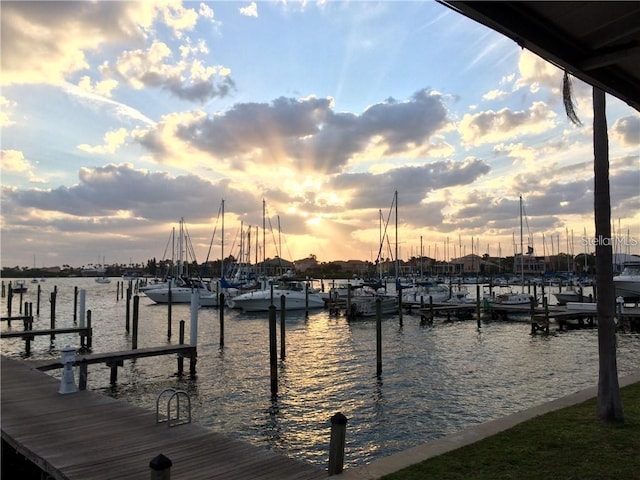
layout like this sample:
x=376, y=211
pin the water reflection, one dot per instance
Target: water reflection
x=436, y=379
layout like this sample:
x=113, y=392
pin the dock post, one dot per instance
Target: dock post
x=337, y=443
x=169, y=309
x=272, y=350
x=9, y=302
x=68, y=382
x=399, y=303
x=89, y=340
x=378, y=337
x=38, y=300
x=546, y=315
x=134, y=337
x=83, y=296
x=128, y=312
x=221, y=320
x=306, y=299
x=180, y=357
x=478, y=306
x=160, y=468
x=84, y=372
x=75, y=305
x=53, y=314
x=193, y=327
x=283, y=315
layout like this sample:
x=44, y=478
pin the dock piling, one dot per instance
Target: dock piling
x=337, y=443
x=160, y=467
x=272, y=350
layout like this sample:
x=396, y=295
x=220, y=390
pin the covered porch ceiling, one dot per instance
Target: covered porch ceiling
x=598, y=42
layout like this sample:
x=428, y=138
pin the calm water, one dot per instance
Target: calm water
x=436, y=379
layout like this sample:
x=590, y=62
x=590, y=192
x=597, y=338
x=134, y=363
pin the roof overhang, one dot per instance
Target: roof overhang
x=598, y=42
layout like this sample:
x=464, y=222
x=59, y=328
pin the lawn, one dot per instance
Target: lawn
x=566, y=444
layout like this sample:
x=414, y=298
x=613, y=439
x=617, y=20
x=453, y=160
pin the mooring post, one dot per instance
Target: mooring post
x=337, y=443
x=546, y=314
x=378, y=336
x=273, y=350
x=89, y=341
x=38, y=300
x=283, y=315
x=75, y=305
x=134, y=337
x=68, y=382
x=349, y=287
x=52, y=322
x=478, y=306
x=83, y=375
x=399, y=302
x=193, y=327
x=221, y=320
x=83, y=301
x=9, y=302
x=169, y=308
x=128, y=312
x=160, y=468
x=180, y=357
x=21, y=294
x=306, y=299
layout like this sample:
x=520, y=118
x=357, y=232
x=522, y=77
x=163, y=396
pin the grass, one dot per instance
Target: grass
x=568, y=444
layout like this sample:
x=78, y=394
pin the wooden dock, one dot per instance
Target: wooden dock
x=88, y=436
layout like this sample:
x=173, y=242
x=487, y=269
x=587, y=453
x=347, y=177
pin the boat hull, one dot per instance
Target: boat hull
x=629, y=289
x=182, y=295
x=261, y=300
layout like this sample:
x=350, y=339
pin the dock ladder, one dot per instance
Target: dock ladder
x=179, y=414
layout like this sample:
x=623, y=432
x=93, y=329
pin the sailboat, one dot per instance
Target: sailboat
x=510, y=297
x=365, y=304
x=182, y=293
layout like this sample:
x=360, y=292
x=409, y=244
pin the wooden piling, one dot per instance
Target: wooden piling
x=378, y=336
x=337, y=443
x=53, y=313
x=134, y=337
x=75, y=305
x=478, y=314
x=127, y=322
x=160, y=468
x=9, y=302
x=169, y=309
x=221, y=320
x=306, y=299
x=272, y=350
x=283, y=316
x=38, y=300
x=181, y=340
x=89, y=340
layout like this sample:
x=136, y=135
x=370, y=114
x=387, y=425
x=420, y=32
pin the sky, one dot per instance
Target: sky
x=119, y=119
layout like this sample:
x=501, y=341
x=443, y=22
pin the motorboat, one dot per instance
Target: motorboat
x=366, y=305
x=508, y=298
x=103, y=279
x=570, y=295
x=627, y=284
x=298, y=296
x=19, y=287
x=438, y=292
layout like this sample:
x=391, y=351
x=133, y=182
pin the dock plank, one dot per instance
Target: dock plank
x=89, y=436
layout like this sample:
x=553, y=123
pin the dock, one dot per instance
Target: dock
x=89, y=436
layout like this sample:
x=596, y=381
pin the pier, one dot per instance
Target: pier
x=88, y=436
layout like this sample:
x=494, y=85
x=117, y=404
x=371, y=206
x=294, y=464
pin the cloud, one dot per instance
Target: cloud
x=305, y=133
x=627, y=130
x=41, y=44
x=250, y=10
x=112, y=141
x=186, y=78
x=6, y=107
x=14, y=161
x=490, y=126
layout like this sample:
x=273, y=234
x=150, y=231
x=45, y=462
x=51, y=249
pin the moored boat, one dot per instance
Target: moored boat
x=627, y=284
x=297, y=297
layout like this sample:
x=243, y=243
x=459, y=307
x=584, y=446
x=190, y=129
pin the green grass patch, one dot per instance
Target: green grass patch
x=567, y=444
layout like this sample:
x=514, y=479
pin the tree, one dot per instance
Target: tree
x=609, y=400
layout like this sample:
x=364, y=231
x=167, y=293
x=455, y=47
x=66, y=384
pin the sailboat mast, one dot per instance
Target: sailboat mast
x=222, y=244
x=264, y=238
x=397, y=264
x=521, y=247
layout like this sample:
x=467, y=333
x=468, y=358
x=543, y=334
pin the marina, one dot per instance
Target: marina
x=437, y=377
